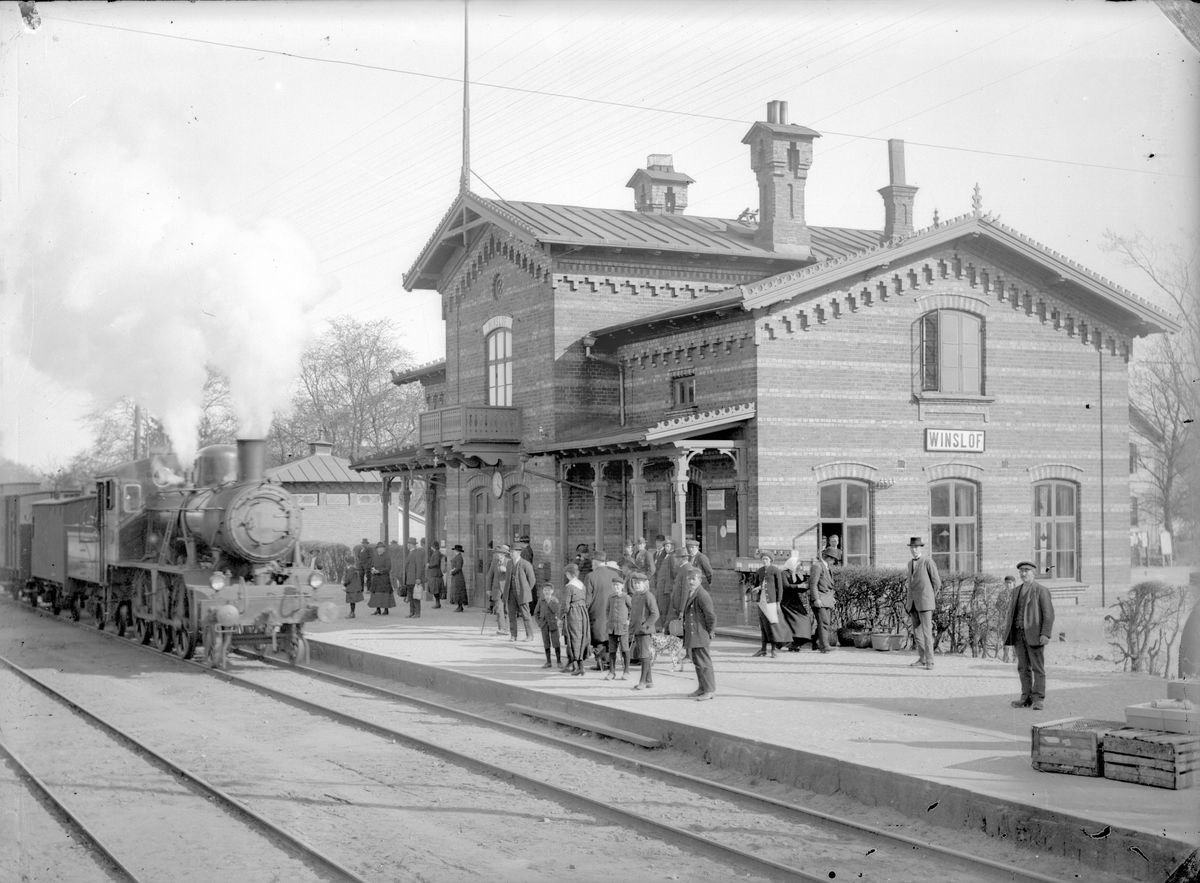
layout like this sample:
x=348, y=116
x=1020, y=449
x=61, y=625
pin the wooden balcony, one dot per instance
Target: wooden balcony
x=470, y=424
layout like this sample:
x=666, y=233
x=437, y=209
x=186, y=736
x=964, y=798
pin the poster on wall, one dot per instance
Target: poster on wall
x=716, y=499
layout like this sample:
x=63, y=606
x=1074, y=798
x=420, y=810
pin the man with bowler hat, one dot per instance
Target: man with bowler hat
x=1030, y=625
x=923, y=584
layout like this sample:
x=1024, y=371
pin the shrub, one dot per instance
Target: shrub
x=329, y=558
x=869, y=597
x=1148, y=624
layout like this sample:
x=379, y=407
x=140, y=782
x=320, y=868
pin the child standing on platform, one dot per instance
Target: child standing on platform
x=547, y=614
x=354, y=588
x=618, y=630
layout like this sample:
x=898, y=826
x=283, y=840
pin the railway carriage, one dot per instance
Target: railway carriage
x=209, y=560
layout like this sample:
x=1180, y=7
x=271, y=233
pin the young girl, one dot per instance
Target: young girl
x=353, y=584
x=642, y=617
x=576, y=626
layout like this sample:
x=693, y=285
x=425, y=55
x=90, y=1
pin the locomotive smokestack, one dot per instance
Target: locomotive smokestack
x=251, y=455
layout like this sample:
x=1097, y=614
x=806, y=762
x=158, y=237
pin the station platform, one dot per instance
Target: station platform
x=944, y=746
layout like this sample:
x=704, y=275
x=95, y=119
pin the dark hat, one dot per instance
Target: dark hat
x=916, y=541
x=436, y=544
x=525, y=539
x=458, y=548
x=658, y=537
x=412, y=540
x=638, y=576
x=688, y=569
x=1022, y=565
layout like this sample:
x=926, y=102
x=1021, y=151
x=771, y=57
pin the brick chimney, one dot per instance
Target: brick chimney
x=781, y=155
x=897, y=196
x=658, y=188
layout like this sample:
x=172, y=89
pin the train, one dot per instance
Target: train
x=208, y=559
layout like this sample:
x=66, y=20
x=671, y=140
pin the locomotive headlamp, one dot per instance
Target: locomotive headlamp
x=217, y=581
x=327, y=611
x=316, y=580
x=227, y=615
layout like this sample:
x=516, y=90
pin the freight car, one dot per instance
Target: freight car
x=210, y=559
x=16, y=532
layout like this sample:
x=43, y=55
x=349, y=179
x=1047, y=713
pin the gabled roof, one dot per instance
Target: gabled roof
x=611, y=228
x=320, y=468
x=1137, y=315
x=659, y=175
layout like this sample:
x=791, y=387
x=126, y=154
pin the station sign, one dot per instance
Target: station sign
x=959, y=440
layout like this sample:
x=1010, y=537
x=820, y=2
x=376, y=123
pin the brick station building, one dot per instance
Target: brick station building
x=766, y=383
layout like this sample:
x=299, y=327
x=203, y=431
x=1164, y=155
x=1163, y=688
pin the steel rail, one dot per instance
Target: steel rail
x=1007, y=872
x=222, y=796
x=46, y=791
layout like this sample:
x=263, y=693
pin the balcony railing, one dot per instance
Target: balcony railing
x=465, y=424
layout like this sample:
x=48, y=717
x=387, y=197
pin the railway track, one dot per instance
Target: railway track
x=765, y=827
x=130, y=762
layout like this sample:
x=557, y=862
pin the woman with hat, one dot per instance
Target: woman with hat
x=458, y=582
x=434, y=584
x=382, y=597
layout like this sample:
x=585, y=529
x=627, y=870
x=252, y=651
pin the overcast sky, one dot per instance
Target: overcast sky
x=223, y=177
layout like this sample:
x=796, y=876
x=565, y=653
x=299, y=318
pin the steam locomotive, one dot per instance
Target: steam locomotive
x=208, y=561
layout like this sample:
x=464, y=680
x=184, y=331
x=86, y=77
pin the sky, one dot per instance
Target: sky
x=191, y=183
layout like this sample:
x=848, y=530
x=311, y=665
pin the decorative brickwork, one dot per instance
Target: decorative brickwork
x=1063, y=471
x=942, y=471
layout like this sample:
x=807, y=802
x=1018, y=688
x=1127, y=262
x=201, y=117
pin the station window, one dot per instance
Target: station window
x=683, y=392
x=954, y=526
x=1056, y=529
x=132, y=501
x=500, y=367
x=952, y=352
x=845, y=512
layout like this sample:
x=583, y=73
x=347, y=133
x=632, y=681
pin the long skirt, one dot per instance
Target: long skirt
x=435, y=585
x=458, y=591
x=773, y=633
x=353, y=597
x=578, y=633
x=794, y=611
x=382, y=599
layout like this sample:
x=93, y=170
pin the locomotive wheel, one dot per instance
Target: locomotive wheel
x=162, y=637
x=184, y=642
x=145, y=631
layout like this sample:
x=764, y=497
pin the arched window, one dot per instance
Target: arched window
x=952, y=352
x=1056, y=529
x=845, y=512
x=954, y=526
x=500, y=367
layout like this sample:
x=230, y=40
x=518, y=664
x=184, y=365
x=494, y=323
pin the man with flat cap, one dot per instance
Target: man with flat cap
x=923, y=584
x=1030, y=625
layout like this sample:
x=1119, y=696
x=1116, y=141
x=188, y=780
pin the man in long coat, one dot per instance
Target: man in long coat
x=414, y=574
x=822, y=599
x=519, y=592
x=699, y=560
x=381, y=598
x=599, y=588
x=363, y=553
x=923, y=584
x=1030, y=626
x=495, y=583
x=665, y=570
x=643, y=560
x=699, y=622
x=396, y=559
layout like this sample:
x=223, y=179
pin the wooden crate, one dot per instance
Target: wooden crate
x=1072, y=745
x=1151, y=757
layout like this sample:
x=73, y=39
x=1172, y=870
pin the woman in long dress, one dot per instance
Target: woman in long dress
x=382, y=596
x=458, y=582
x=794, y=607
x=577, y=629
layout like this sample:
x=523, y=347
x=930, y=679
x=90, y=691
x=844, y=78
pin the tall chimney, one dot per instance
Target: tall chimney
x=781, y=155
x=251, y=455
x=897, y=196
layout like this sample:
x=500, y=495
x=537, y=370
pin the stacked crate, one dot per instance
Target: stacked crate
x=1072, y=745
x=1152, y=757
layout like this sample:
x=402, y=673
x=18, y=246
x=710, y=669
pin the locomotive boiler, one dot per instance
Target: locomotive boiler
x=208, y=560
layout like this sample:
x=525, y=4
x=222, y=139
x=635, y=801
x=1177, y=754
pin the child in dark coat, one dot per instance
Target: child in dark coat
x=547, y=614
x=354, y=589
x=618, y=630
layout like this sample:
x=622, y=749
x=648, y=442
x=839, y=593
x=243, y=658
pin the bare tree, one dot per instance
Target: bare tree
x=1165, y=381
x=345, y=388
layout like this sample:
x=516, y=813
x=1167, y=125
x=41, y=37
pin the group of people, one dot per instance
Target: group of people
x=611, y=610
x=792, y=606
x=384, y=570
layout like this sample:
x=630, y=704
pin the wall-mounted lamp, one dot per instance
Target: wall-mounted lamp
x=588, y=343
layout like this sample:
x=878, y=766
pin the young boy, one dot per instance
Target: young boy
x=643, y=616
x=547, y=618
x=618, y=630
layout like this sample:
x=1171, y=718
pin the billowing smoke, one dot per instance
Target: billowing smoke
x=129, y=289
